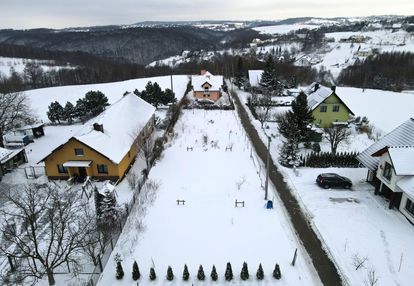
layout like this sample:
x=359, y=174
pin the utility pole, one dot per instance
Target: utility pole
x=267, y=167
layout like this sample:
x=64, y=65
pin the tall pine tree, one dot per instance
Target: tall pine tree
x=302, y=115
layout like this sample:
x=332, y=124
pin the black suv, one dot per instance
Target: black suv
x=328, y=180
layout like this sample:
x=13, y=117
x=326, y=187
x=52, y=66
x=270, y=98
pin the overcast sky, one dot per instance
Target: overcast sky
x=78, y=13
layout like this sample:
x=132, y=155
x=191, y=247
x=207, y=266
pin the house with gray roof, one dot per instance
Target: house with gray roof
x=390, y=163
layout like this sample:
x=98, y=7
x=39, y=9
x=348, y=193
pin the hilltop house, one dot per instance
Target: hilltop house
x=207, y=86
x=327, y=107
x=390, y=163
x=106, y=145
x=10, y=159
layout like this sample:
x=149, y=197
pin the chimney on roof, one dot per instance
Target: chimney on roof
x=98, y=127
x=333, y=88
x=316, y=87
x=203, y=72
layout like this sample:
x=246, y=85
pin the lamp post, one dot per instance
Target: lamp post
x=267, y=167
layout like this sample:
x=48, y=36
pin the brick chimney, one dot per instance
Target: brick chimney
x=316, y=87
x=98, y=127
x=203, y=72
x=333, y=88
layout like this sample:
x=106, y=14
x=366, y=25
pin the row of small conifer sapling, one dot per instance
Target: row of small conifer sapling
x=244, y=274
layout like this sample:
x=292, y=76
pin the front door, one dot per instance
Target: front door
x=82, y=173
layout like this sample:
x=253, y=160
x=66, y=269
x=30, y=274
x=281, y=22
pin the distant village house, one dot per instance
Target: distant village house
x=207, y=86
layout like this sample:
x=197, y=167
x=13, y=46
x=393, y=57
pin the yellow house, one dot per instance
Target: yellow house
x=327, y=107
x=207, y=87
x=106, y=146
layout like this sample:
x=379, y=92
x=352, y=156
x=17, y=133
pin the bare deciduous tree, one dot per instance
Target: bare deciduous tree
x=358, y=261
x=264, y=106
x=43, y=229
x=336, y=135
x=14, y=110
x=372, y=278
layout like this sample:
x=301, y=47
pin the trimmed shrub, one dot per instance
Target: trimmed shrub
x=213, y=274
x=135, y=271
x=170, y=274
x=152, y=275
x=260, y=273
x=244, y=274
x=276, y=272
x=200, y=275
x=186, y=274
x=229, y=272
x=119, y=271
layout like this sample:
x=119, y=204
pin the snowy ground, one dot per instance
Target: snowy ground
x=354, y=222
x=40, y=99
x=358, y=223
x=208, y=229
x=18, y=64
x=284, y=29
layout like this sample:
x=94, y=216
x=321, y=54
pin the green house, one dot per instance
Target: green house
x=327, y=107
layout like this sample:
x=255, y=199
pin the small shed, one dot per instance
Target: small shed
x=11, y=159
x=33, y=131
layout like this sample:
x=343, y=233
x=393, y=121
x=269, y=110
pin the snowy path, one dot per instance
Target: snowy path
x=208, y=229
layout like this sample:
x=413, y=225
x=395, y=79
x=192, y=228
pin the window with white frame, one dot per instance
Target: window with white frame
x=409, y=206
x=387, y=172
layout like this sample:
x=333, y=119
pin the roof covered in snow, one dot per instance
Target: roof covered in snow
x=215, y=81
x=121, y=123
x=402, y=158
x=255, y=76
x=4, y=154
x=403, y=135
x=317, y=93
x=407, y=185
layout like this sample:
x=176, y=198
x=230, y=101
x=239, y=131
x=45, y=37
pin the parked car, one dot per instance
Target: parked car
x=332, y=180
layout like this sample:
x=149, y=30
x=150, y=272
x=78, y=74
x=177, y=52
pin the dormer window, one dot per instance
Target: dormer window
x=387, y=172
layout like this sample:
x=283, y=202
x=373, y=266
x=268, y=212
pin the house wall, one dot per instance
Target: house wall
x=212, y=95
x=325, y=119
x=67, y=153
x=402, y=209
x=394, y=178
x=115, y=171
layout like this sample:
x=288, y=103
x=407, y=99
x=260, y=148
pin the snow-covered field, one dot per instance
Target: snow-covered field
x=40, y=99
x=358, y=223
x=354, y=223
x=284, y=29
x=18, y=65
x=340, y=54
x=208, y=229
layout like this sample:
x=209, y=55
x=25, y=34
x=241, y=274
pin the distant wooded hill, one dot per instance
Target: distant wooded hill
x=140, y=45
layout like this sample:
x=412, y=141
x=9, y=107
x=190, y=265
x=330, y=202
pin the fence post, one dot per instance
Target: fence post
x=100, y=263
x=12, y=268
x=112, y=244
x=294, y=257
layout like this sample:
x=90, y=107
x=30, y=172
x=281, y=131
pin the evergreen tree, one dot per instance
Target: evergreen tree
x=276, y=272
x=239, y=78
x=56, y=112
x=170, y=274
x=109, y=211
x=213, y=274
x=200, y=275
x=186, y=274
x=69, y=112
x=260, y=273
x=135, y=271
x=302, y=115
x=290, y=148
x=270, y=81
x=152, y=275
x=98, y=200
x=119, y=271
x=81, y=110
x=244, y=274
x=95, y=102
x=229, y=272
